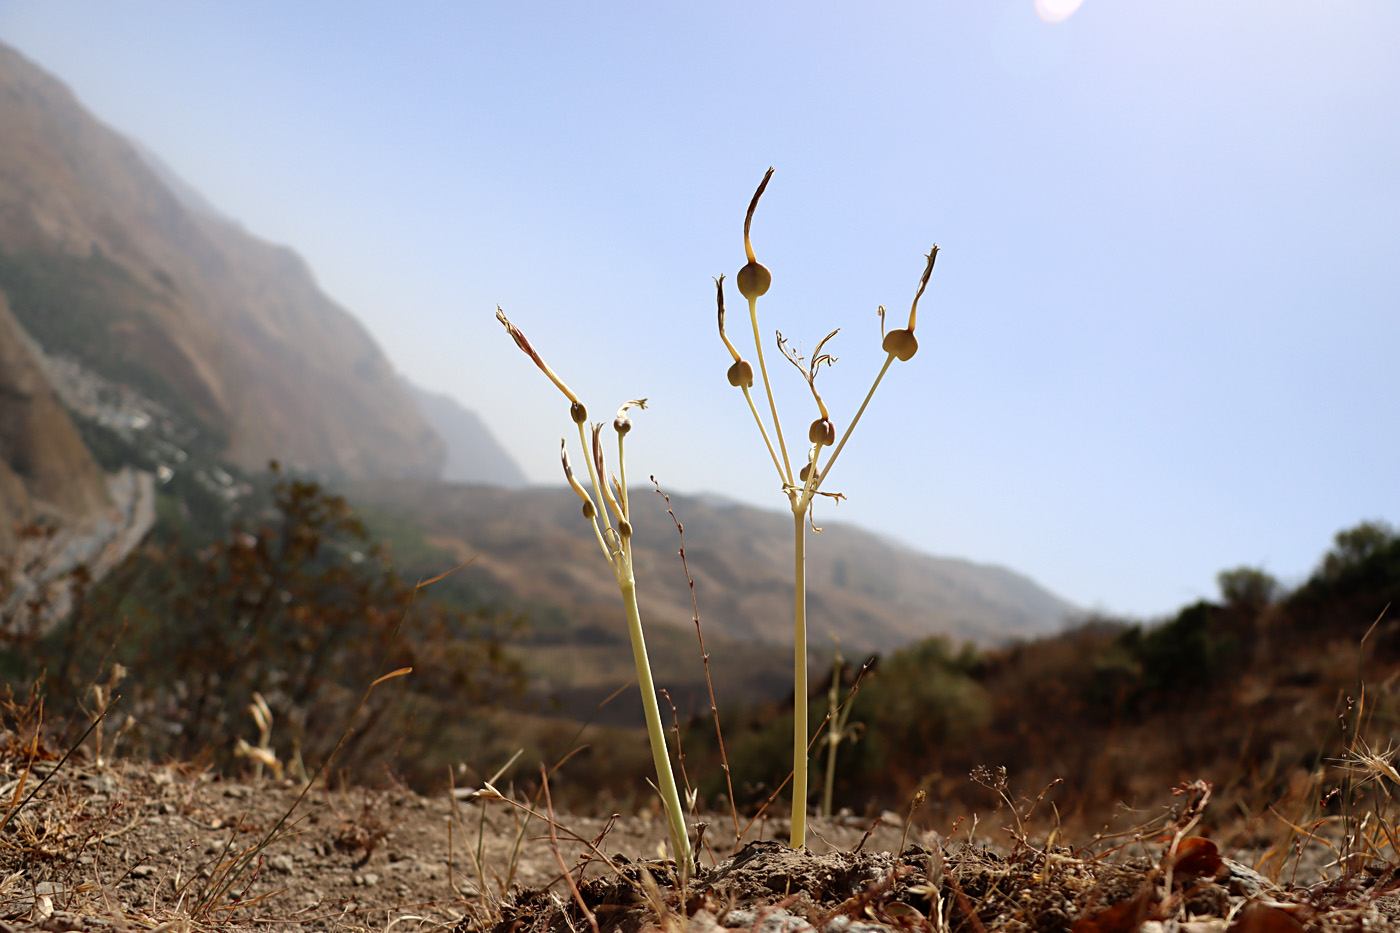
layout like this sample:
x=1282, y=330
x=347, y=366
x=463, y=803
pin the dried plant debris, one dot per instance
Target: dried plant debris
x=133, y=846
x=771, y=888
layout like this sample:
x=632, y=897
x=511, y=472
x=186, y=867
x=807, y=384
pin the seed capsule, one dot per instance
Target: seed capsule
x=622, y=424
x=902, y=343
x=822, y=432
x=805, y=473
x=624, y=528
x=741, y=374
x=753, y=280
x=578, y=413
x=589, y=511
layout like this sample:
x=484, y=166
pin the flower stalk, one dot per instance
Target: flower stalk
x=608, y=501
x=753, y=281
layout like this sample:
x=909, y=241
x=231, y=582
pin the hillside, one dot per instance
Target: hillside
x=872, y=594
x=103, y=263
x=44, y=467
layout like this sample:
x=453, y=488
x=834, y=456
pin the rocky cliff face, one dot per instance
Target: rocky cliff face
x=45, y=470
x=58, y=511
x=103, y=262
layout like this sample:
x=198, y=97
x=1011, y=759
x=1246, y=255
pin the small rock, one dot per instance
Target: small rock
x=845, y=924
x=704, y=922
x=100, y=783
x=143, y=871
x=368, y=880
x=768, y=921
x=42, y=909
x=281, y=863
x=237, y=791
x=1245, y=881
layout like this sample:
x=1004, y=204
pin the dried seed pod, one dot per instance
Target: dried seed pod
x=578, y=413
x=621, y=422
x=741, y=374
x=822, y=432
x=753, y=280
x=588, y=510
x=902, y=343
x=805, y=473
x=624, y=528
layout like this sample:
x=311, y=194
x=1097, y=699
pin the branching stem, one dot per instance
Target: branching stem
x=748, y=397
x=850, y=429
x=768, y=387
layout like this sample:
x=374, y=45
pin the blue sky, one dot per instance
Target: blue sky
x=1160, y=340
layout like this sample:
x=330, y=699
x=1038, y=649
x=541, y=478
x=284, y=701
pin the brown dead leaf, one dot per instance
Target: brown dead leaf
x=1196, y=858
x=1258, y=917
x=1123, y=917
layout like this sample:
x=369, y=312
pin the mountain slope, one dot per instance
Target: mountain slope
x=535, y=548
x=104, y=263
x=44, y=467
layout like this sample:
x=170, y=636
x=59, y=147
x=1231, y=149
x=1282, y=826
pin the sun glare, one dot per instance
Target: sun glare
x=1056, y=11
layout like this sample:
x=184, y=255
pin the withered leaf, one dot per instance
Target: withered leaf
x=1258, y=917
x=1123, y=917
x=1197, y=857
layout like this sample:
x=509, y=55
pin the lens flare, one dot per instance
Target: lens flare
x=1056, y=11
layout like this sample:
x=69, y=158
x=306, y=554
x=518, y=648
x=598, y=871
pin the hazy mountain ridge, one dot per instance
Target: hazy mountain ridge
x=532, y=546
x=103, y=261
x=473, y=453
x=133, y=281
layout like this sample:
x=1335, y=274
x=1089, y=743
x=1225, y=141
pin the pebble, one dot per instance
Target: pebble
x=368, y=880
x=845, y=924
x=767, y=921
x=100, y=784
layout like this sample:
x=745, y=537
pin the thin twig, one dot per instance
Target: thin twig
x=61, y=762
x=554, y=845
x=705, y=660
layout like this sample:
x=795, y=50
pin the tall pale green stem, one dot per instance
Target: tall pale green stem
x=670, y=798
x=799, y=680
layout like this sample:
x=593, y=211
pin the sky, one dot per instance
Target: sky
x=1160, y=340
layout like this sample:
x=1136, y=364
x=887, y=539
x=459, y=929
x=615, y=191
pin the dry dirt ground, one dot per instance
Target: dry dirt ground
x=134, y=847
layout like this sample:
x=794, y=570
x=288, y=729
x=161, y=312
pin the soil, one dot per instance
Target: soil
x=130, y=846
